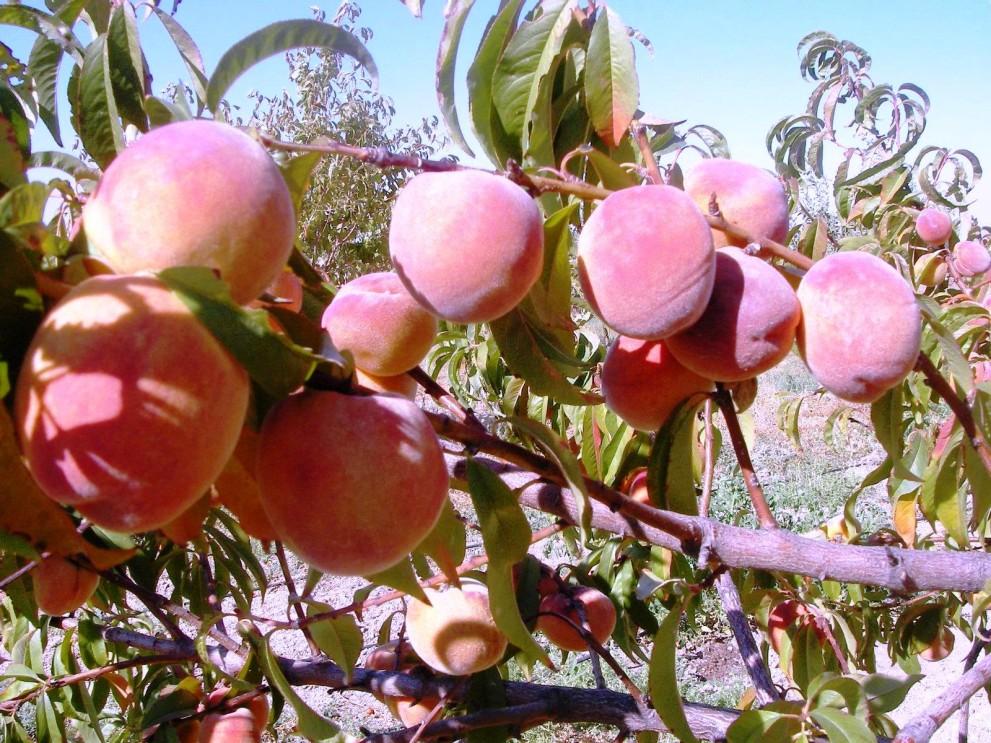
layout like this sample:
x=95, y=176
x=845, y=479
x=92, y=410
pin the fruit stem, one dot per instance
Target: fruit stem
x=650, y=162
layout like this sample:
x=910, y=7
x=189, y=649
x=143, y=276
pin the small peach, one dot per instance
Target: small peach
x=600, y=618
x=971, y=258
x=60, y=587
x=933, y=226
x=401, y=384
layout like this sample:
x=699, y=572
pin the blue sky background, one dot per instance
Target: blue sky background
x=728, y=63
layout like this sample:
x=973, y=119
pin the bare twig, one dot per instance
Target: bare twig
x=297, y=605
x=766, y=692
x=709, y=465
x=445, y=398
x=922, y=727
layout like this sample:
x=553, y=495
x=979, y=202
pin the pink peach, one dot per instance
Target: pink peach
x=933, y=226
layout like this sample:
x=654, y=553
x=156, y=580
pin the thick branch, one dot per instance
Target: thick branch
x=921, y=728
x=745, y=643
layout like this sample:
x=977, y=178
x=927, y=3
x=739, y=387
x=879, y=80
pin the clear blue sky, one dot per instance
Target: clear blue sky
x=728, y=63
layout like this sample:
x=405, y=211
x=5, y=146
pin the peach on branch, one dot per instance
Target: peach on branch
x=60, y=586
x=930, y=269
x=933, y=226
x=861, y=327
x=645, y=261
x=749, y=197
x=401, y=384
x=643, y=382
x=194, y=193
x=635, y=486
x=238, y=726
x=971, y=258
x=188, y=525
x=596, y=608
x=399, y=656
x=352, y=484
x=237, y=487
x=378, y=321
x=468, y=245
x=748, y=326
x=127, y=407
x=455, y=633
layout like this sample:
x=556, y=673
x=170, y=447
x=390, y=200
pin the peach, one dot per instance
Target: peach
x=930, y=269
x=940, y=647
x=646, y=262
x=933, y=226
x=455, y=633
x=60, y=587
x=643, y=382
x=971, y=258
x=188, y=525
x=395, y=656
x=352, y=484
x=401, y=384
x=385, y=329
x=238, y=726
x=635, y=486
x=467, y=244
x=194, y=193
x=127, y=407
x=790, y=615
x=749, y=197
x=861, y=328
x=237, y=488
x=748, y=326
x=600, y=618
x=546, y=579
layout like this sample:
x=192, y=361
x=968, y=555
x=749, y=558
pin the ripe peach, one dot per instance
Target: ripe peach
x=188, y=731
x=385, y=329
x=237, y=488
x=351, y=483
x=546, y=582
x=749, y=197
x=933, y=226
x=748, y=326
x=788, y=615
x=600, y=618
x=400, y=384
x=127, y=406
x=233, y=727
x=394, y=656
x=60, y=587
x=455, y=634
x=941, y=647
x=971, y=258
x=635, y=486
x=645, y=261
x=194, y=193
x=468, y=245
x=643, y=382
x=188, y=525
x=861, y=328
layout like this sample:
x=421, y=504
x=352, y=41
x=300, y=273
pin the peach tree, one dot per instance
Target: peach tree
x=575, y=329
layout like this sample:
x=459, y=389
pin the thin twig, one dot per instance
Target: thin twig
x=649, y=161
x=280, y=552
x=445, y=398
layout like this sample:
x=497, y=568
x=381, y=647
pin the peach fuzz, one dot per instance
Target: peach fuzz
x=749, y=197
x=352, y=484
x=645, y=261
x=194, y=193
x=467, y=244
x=748, y=326
x=378, y=321
x=600, y=615
x=401, y=384
x=933, y=226
x=61, y=587
x=971, y=258
x=455, y=633
x=126, y=406
x=861, y=327
x=643, y=382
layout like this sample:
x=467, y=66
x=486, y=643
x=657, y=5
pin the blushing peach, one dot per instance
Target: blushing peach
x=600, y=618
x=455, y=634
x=933, y=226
x=401, y=384
x=635, y=486
x=971, y=258
x=188, y=525
x=788, y=616
x=352, y=484
x=748, y=326
x=861, y=328
x=643, y=382
x=468, y=245
x=237, y=488
x=378, y=321
x=127, y=407
x=233, y=727
x=60, y=587
x=930, y=269
x=194, y=193
x=941, y=647
x=749, y=197
x=395, y=656
x=646, y=262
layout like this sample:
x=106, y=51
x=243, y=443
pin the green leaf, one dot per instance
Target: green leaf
x=611, y=85
x=401, y=577
x=455, y=15
x=886, y=693
x=486, y=691
x=298, y=172
x=942, y=500
x=763, y=726
x=281, y=37
x=446, y=543
x=670, y=473
x=662, y=680
x=523, y=355
x=506, y=537
x=96, y=111
x=340, y=639
x=841, y=727
x=609, y=172
x=43, y=67
x=889, y=426
x=126, y=66
x=189, y=52
x=275, y=363
x=551, y=295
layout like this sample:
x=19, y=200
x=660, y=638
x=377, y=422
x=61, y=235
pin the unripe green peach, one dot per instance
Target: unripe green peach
x=400, y=384
x=645, y=261
x=468, y=245
x=385, y=329
x=194, y=193
x=352, y=484
x=600, y=618
x=749, y=197
x=861, y=327
x=60, y=587
x=455, y=634
x=748, y=326
x=933, y=226
x=971, y=258
x=127, y=406
x=643, y=382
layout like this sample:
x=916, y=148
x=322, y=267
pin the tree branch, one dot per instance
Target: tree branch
x=759, y=674
x=922, y=727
